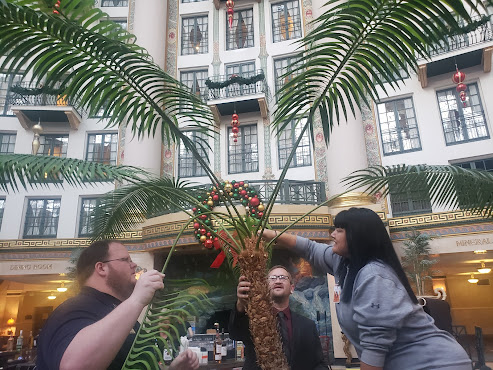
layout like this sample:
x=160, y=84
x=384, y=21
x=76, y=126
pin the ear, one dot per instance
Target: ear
x=292, y=288
x=100, y=269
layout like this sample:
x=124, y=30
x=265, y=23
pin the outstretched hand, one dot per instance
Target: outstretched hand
x=242, y=292
x=187, y=360
x=147, y=285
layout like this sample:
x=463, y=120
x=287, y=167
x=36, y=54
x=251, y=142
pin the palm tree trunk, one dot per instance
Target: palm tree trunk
x=263, y=322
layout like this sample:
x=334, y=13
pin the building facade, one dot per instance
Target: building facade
x=424, y=121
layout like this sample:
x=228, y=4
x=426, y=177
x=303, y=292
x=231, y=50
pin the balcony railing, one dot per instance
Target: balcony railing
x=237, y=89
x=291, y=192
x=480, y=35
x=21, y=96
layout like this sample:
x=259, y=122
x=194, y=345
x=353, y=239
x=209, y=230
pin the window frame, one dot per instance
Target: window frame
x=237, y=89
x=297, y=23
x=399, y=131
x=460, y=109
x=473, y=164
x=203, y=43
x=99, y=160
x=116, y=3
x=196, y=81
x=9, y=143
x=12, y=78
x=3, y=199
x=196, y=168
x=291, y=60
x=242, y=153
x=43, y=218
x=42, y=145
x=304, y=143
x=84, y=218
x=231, y=36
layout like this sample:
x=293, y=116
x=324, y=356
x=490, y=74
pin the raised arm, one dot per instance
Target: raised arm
x=95, y=346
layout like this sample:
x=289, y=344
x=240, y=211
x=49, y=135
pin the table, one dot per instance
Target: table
x=224, y=365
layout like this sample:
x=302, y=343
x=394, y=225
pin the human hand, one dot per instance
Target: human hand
x=146, y=286
x=242, y=293
x=268, y=234
x=187, y=360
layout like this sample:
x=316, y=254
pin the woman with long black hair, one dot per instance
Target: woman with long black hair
x=377, y=309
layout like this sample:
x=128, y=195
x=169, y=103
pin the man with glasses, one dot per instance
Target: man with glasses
x=96, y=328
x=301, y=343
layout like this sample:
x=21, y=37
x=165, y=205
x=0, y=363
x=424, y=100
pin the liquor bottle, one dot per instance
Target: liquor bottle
x=224, y=350
x=218, y=345
x=20, y=342
x=168, y=353
x=10, y=343
x=31, y=340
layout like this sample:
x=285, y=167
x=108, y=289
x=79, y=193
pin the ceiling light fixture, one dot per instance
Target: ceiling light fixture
x=480, y=251
x=473, y=280
x=484, y=269
x=52, y=296
x=61, y=288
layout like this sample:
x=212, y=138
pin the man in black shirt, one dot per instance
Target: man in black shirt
x=96, y=329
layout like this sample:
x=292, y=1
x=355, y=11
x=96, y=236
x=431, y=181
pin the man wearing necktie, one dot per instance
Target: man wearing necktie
x=301, y=343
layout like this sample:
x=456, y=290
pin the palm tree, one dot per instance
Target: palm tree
x=354, y=46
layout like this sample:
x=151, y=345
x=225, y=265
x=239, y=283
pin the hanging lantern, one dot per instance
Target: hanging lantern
x=230, y=5
x=235, y=129
x=459, y=77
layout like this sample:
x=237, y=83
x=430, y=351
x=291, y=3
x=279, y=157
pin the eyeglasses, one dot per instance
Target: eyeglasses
x=123, y=259
x=273, y=278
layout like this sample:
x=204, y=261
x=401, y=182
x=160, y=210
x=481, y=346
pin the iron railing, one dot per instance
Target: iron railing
x=235, y=89
x=40, y=99
x=480, y=35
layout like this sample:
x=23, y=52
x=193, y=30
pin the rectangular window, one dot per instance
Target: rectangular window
x=194, y=35
x=115, y=3
x=102, y=148
x=121, y=22
x=398, y=126
x=188, y=166
x=462, y=123
x=282, y=67
x=7, y=143
x=409, y=202
x=243, y=155
x=478, y=164
x=245, y=70
x=6, y=83
x=286, y=21
x=53, y=145
x=87, y=208
x=2, y=207
x=287, y=139
x=195, y=80
x=240, y=35
x=42, y=218
x=190, y=1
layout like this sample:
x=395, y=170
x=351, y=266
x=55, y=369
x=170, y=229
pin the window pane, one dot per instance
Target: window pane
x=188, y=166
x=7, y=143
x=2, y=207
x=102, y=148
x=240, y=35
x=194, y=35
x=42, y=218
x=283, y=66
x=105, y=3
x=286, y=21
x=243, y=155
x=398, y=126
x=245, y=70
x=88, y=206
x=287, y=140
x=409, y=202
x=462, y=123
x=53, y=145
x=195, y=80
x=6, y=83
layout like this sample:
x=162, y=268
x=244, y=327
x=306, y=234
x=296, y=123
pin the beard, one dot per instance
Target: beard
x=120, y=284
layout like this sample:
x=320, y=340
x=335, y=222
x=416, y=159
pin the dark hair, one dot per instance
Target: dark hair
x=96, y=252
x=281, y=267
x=367, y=240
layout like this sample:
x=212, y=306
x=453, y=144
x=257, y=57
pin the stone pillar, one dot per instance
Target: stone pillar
x=148, y=23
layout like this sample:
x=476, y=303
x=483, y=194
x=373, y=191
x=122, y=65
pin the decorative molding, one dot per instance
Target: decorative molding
x=435, y=219
x=467, y=230
x=353, y=199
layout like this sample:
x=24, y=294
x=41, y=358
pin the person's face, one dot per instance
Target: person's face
x=279, y=288
x=121, y=270
x=340, y=242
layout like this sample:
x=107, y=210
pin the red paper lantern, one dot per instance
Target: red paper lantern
x=458, y=77
x=230, y=5
x=461, y=87
x=235, y=123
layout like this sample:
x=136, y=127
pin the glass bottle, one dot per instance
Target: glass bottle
x=218, y=345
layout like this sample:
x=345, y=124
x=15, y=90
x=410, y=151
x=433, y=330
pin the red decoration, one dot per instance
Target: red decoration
x=230, y=5
x=235, y=123
x=458, y=77
x=254, y=202
x=208, y=243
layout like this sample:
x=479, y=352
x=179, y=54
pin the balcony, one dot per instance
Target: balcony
x=32, y=105
x=468, y=50
x=234, y=93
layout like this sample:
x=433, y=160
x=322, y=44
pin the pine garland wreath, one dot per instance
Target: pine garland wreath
x=17, y=89
x=235, y=79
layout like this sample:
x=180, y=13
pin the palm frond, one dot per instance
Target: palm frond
x=98, y=65
x=129, y=206
x=165, y=314
x=33, y=171
x=357, y=45
x=448, y=186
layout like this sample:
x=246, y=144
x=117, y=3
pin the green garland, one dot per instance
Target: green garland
x=35, y=91
x=235, y=80
x=474, y=25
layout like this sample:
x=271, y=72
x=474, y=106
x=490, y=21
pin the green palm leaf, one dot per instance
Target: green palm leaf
x=357, y=45
x=165, y=314
x=31, y=170
x=98, y=65
x=448, y=186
